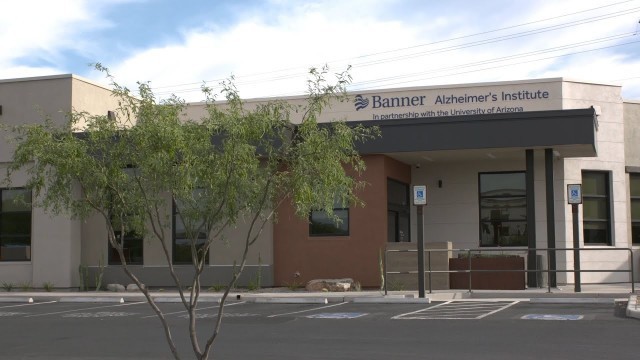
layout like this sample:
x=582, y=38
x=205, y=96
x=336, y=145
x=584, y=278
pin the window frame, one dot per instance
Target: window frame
x=174, y=215
x=609, y=208
x=29, y=212
x=481, y=197
x=129, y=236
x=331, y=234
x=633, y=222
x=399, y=210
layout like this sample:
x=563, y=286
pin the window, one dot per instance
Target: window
x=503, y=209
x=398, y=211
x=15, y=225
x=182, y=237
x=132, y=246
x=634, y=187
x=596, y=220
x=320, y=224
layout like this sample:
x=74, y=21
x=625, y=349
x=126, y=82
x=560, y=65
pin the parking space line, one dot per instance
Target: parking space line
x=91, y=308
x=472, y=307
x=30, y=304
x=307, y=310
x=184, y=311
x=453, y=311
x=497, y=310
x=439, y=317
x=421, y=310
x=459, y=310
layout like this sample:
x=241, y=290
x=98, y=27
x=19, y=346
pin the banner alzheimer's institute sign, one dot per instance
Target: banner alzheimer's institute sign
x=430, y=102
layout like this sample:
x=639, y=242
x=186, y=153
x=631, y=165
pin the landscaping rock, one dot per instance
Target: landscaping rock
x=333, y=285
x=133, y=287
x=116, y=288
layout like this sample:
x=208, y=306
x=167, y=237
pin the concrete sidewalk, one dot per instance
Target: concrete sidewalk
x=561, y=294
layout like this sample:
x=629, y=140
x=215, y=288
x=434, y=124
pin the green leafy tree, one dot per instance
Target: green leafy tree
x=235, y=164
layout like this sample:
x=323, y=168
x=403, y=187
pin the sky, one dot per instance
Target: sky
x=268, y=46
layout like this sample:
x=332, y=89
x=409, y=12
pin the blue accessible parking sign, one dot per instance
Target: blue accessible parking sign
x=574, y=194
x=420, y=195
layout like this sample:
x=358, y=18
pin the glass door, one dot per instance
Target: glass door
x=398, y=210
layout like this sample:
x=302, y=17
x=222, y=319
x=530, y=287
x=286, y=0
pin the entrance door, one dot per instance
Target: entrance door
x=398, y=226
x=398, y=211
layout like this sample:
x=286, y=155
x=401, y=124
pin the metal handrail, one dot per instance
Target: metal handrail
x=470, y=252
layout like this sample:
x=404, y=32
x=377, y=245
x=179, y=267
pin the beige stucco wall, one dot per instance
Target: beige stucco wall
x=452, y=213
x=55, y=248
x=632, y=132
x=27, y=101
x=611, y=158
x=229, y=248
x=225, y=250
x=632, y=158
x=89, y=97
x=427, y=101
x=56, y=240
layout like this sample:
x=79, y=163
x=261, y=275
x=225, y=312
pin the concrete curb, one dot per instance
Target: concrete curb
x=14, y=299
x=390, y=300
x=177, y=299
x=91, y=299
x=546, y=295
x=291, y=300
x=605, y=296
x=633, y=310
x=572, y=300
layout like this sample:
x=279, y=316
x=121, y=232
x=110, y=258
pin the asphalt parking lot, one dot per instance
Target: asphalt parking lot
x=482, y=329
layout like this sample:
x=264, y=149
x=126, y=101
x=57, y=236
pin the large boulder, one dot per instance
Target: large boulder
x=133, y=287
x=116, y=287
x=337, y=285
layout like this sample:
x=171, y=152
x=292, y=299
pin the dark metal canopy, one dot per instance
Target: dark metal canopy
x=573, y=131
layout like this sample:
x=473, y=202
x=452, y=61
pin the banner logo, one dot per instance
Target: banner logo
x=361, y=102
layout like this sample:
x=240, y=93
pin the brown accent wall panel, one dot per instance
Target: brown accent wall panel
x=354, y=256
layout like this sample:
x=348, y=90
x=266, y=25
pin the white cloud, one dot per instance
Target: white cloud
x=271, y=47
x=38, y=31
x=295, y=36
x=295, y=40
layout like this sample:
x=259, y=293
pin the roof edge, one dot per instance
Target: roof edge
x=53, y=77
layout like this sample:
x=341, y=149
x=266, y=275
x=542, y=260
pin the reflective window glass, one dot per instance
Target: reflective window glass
x=596, y=217
x=321, y=224
x=186, y=231
x=15, y=225
x=503, y=184
x=503, y=209
x=634, y=189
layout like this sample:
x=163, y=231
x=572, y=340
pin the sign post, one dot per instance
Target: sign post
x=574, y=198
x=419, y=200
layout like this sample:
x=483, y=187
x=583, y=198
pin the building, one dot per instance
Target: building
x=496, y=159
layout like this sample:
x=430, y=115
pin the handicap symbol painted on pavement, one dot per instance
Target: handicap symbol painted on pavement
x=551, y=317
x=343, y=315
